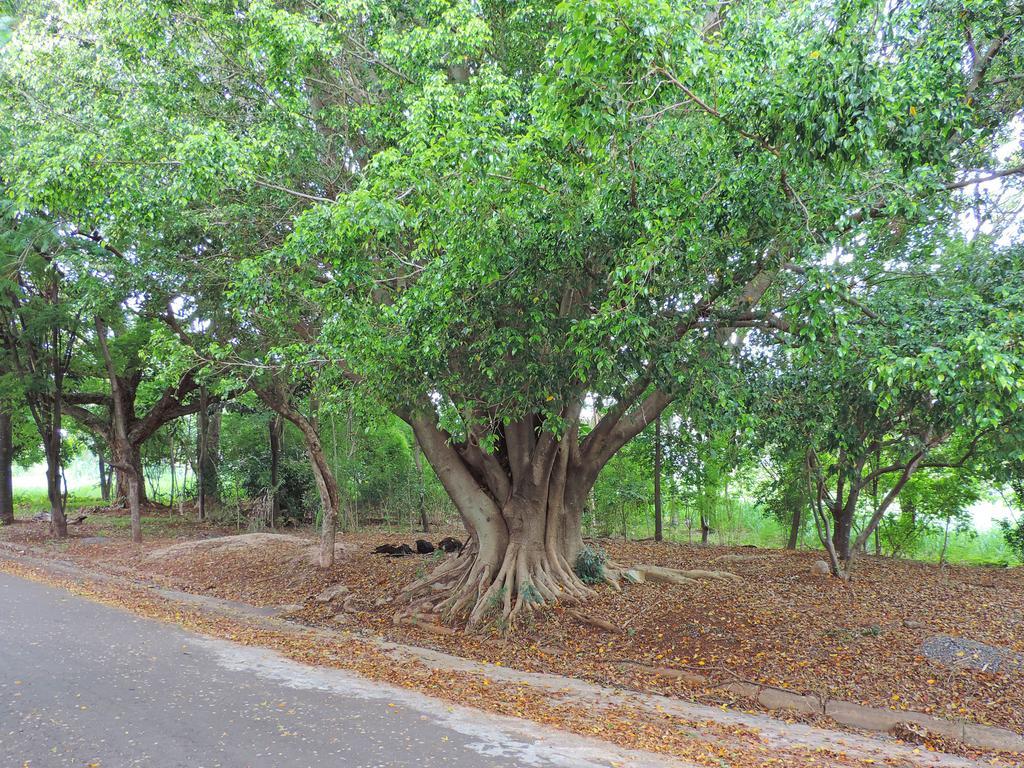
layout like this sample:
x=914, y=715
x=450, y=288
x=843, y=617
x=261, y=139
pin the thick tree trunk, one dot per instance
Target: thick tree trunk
x=6, y=470
x=843, y=515
x=524, y=535
x=131, y=477
x=657, y=480
x=132, y=458
x=841, y=535
x=705, y=529
x=58, y=522
x=126, y=456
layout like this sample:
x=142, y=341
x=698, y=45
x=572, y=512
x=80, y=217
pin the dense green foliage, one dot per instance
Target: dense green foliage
x=377, y=223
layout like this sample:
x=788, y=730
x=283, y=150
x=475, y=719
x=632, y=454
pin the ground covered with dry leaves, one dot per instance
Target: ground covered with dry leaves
x=782, y=625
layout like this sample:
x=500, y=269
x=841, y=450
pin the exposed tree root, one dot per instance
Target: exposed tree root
x=594, y=621
x=614, y=573
x=475, y=588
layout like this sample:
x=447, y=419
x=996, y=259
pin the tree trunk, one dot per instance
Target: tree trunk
x=202, y=450
x=104, y=476
x=133, y=458
x=657, y=480
x=417, y=460
x=523, y=540
x=843, y=515
x=277, y=398
x=329, y=495
x=276, y=430
x=522, y=506
x=6, y=470
x=174, y=469
x=58, y=522
x=794, y=527
x=126, y=456
x=705, y=529
x=134, y=489
x=841, y=536
x=211, y=468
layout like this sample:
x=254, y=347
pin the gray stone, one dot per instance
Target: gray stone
x=820, y=568
x=332, y=593
x=634, y=576
x=960, y=652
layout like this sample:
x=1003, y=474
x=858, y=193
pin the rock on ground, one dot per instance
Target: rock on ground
x=961, y=652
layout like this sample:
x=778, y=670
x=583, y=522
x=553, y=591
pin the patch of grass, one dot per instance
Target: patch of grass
x=28, y=503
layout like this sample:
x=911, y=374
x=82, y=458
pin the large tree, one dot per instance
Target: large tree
x=502, y=216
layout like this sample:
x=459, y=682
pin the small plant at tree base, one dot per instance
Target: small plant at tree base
x=529, y=593
x=590, y=565
x=495, y=601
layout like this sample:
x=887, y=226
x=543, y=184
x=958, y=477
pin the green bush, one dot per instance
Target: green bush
x=1013, y=533
x=590, y=565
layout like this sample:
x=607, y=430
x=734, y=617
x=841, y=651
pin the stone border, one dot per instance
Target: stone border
x=848, y=713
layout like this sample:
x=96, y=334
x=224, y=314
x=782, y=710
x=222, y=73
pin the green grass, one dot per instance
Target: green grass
x=970, y=548
x=28, y=503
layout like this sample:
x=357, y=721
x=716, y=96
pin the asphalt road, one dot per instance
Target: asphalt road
x=86, y=685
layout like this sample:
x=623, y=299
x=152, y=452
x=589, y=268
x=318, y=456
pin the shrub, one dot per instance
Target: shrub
x=590, y=565
x=1014, y=535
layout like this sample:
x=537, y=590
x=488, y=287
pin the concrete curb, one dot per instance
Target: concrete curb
x=851, y=714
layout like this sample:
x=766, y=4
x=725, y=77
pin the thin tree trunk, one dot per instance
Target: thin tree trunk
x=276, y=428
x=174, y=469
x=945, y=544
x=58, y=522
x=351, y=513
x=102, y=466
x=794, y=527
x=657, y=480
x=328, y=488
x=202, y=462
x=6, y=469
x=417, y=460
x=276, y=397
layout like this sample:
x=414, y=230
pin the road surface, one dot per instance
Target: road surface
x=89, y=686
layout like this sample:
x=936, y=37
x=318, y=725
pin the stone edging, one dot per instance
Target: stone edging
x=848, y=713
